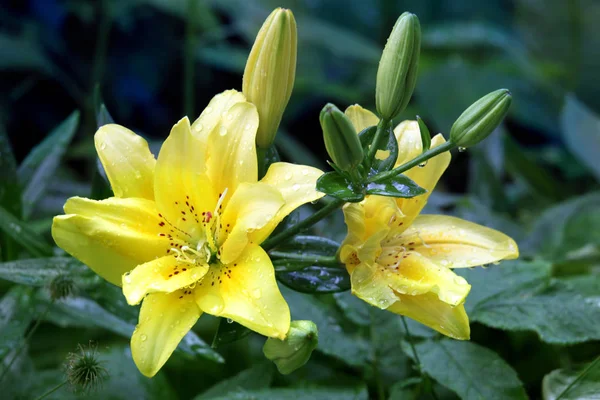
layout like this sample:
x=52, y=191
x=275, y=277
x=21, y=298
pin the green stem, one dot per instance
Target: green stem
x=323, y=260
x=54, y=389
x=413, y=163
x=188, y=58
x=376, y=373
x=382, y=128
x=302, y=225
x=416, y=356
x=27, y=337
x=580, y=377
x=261, y=157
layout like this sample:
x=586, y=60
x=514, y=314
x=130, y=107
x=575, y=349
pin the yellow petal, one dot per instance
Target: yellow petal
x=182, y=188
x=231, y=148
x=427, y=309
x=252, y=207
x=166, y=274
x=211, y=116
x=246, y=292
x=410, y=274
x=456, y=243
x=127, y=161
x=360, y=117
x=297, y=185
x=110, y=236
x=164, y=320
x=409, y=147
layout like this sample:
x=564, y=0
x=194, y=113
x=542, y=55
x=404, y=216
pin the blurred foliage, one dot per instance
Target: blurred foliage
x=535, y=321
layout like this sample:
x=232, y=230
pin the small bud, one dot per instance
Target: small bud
x=270, y=72
x=61, y=286
x=341, y=140
x=84, y=371
x=397, y=72
x=480, y=119
x=295, y=350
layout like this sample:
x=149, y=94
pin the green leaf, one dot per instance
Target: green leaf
x=521, y=296
x=316, y=279
x=576, y=383
x=38, y=168
x=425, y=135
x=10, y=193
x=257, y=377
x=310, y=393
x=341, y=343
x=306, y=245
x=470, y=370
x=229, y=331
x=396, y=186
x=15, y=316
x=335, y=185
x=41, y=271
x=366, y=138
x=405, y=389
x=22, y=234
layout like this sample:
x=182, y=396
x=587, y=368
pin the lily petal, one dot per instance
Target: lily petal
x=110, y=236
x=182, y=188
x=166, y=274
x=252, y=207
x=127, y=161
x=246, y=292
x=164, y=320
x=231, y=149
x=211, y=116
x=297, y=185
x=360, y=117
x=429, y=310
x=456, y=243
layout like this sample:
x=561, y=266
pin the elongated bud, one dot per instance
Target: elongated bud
x=481, y=118
x=341, y=140
x=295, y=350
x=270, y=72
x=397, y=73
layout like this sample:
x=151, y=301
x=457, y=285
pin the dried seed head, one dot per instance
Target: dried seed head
x=84, y=371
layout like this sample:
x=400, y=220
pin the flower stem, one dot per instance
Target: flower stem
x=302, y=225
x=416, y=356
x=413, y=163
x=54, y=389
x=376, y=373
x=382, y=128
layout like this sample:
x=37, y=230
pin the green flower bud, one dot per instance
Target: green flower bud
x=270, y=72
x=397, y=73
x=481, y=118
x=295, y=350
x=341, y=140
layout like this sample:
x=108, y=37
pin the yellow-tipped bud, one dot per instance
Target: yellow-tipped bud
x=270, y=72
x=397, y=72
x=481, y=118
x=295, y=350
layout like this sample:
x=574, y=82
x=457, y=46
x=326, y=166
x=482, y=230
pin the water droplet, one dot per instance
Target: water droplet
x=257, y=293
x=229, y=321
x=229, y=117
x=214, y=303
x=459, y=280
x=127, y=278
x=198, y=128
x=102, y=146
x=223, y=131
x=461, y=149
x=296, y=187
x=143, y=338
x=423, y=164
x=288, y=176
x=304, y=172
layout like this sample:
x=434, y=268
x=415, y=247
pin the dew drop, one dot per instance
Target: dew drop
x=143, y=337
x=223, y=131
x=423, y=164
x=214, y=302
x=199, y=127
x=257, y=293
x=288, y=176
x=462, y=149
x=229, y=321
x=103, y=146
x=296, y=187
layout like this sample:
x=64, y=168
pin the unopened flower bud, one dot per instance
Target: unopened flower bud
x=341, y=140
x=270, y=72
x=397, y=72
x=481, y=118
x=295, y=350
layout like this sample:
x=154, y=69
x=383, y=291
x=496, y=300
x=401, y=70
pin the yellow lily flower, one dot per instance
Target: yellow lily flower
x=183, y=232
x=401, y=261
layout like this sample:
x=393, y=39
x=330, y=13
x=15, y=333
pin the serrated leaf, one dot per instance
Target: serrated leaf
x=335, y=341
x=257, y=377
x=577, y=383
x=22, y=234
x=16, y=313
x=397, y=186
x=521, y=296
x=316, y=279
x=388, y=149
x=467, y=368
x=229, y=331
x=40, y=165
x=335, y=185
x=41, y=271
